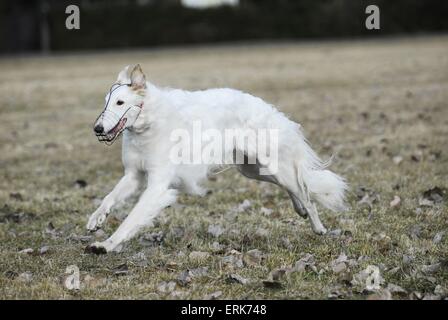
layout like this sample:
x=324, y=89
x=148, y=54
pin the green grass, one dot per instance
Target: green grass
x=366, y=102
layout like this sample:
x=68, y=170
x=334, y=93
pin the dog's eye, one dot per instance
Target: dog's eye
x=120, y=102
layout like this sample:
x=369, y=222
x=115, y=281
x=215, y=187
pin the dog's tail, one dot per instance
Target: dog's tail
x=317, y=182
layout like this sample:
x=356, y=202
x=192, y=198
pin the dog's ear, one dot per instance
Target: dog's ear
x=138, y=79
x=123, y=76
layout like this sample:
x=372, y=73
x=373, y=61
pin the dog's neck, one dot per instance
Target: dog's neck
x=152, y=105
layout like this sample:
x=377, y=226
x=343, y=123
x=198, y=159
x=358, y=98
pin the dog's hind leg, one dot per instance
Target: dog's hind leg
x=305, y=207
x=124, y=189
x=288, y=180
x=252, y=171
x=298, y=206
x=316, y=224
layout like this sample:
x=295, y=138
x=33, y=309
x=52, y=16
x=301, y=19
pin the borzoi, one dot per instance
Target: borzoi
x=147, y=116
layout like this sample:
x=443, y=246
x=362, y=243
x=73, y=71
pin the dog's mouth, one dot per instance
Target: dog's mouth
x=114, y=133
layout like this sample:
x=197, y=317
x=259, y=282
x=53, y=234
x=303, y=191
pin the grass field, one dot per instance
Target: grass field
x=380, y=106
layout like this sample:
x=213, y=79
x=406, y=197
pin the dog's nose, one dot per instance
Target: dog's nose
x=98, y=128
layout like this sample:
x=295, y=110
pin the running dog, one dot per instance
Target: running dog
x=147, y=116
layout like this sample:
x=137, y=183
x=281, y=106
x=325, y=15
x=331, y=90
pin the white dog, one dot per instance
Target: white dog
x=149, y=115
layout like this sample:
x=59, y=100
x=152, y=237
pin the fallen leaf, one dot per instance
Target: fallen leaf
x=342, y=258
x=395, y=202
x=382, y=241
x=397, y=159
x=139, y=256
x=303, y=263
x=16, y=196
x=51, y=230
x=431, y=268
x=393, y=288
x=235, y=278
x=184, y=278
x=340, y=267
x=166, y=287
x=438, y=237
x=7, y=214
x=25, y=276
x=262, y=233
x=336, y=293
x=27, y=251
x=415, y=295
x=407, y=259
x=430, y=296
x=253, y=257
x=198, y=255
x=215, y=230
x=382, y=294
x=152, y=239
x=415, y=231
x=434, y=155
x=441, y=291
x=435, y=195
x=92, y=282
x=366, y=196
x=431, y=197
x=233, y=261
x=286, y=243
x=80, y=183
x=99, y=234
x=171, y=265
x=44, y=250
x=177, y=232
x=417, y=157
x=121, y=270
x=177, y=294
x=213, y=296
x=266, y=211
x=198, y=272
x=9, y=274
x=78, y=238
x=335, y=233
x=272, y=284
x=244, y=206
x=217, y=247
x=425, y=203
x=279, y=273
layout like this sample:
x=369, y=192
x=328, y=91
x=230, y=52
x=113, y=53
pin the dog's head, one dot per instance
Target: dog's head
x=124, y=103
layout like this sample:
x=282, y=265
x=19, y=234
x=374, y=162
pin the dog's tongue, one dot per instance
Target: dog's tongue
x=118, y=127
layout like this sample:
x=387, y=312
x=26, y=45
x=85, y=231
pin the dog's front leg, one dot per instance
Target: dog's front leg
x=123, y=190
x=151, y=203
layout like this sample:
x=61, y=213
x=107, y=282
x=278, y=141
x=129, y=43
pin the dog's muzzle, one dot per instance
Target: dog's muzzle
x=110, y=136
x=107, y=116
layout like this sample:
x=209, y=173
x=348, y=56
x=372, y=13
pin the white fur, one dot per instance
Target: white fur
x=146, y=146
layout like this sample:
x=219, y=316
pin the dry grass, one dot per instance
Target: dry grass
x=365, y=101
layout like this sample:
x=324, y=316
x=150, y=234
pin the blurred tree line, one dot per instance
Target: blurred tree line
x=30, y=25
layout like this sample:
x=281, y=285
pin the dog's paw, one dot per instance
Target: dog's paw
x=92, y=228
x=95, y=248
x=95, y=222
x=320, y=231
